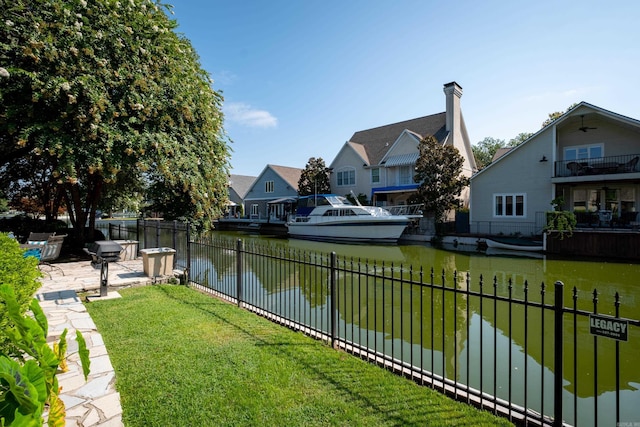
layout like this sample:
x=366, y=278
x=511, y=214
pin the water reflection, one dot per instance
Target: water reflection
x=455, y=334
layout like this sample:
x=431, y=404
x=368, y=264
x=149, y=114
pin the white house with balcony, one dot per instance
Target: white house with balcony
x=587, y=159
x=380, y=162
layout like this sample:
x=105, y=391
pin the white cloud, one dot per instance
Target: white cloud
x=225, y=78
x=246, y=115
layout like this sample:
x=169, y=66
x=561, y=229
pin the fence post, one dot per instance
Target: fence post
x=559, y=353
x=240, y=249
x=157, y=233
x=174, y=241
x=333, y=308
x=145, y=234
x=188, y=267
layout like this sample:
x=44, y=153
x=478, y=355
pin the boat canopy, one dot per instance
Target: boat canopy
x=307, y=203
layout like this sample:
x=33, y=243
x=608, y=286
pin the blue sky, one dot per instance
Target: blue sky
x=299, y=77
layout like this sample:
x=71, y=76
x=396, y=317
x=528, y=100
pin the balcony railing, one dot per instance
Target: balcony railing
x=627, y=163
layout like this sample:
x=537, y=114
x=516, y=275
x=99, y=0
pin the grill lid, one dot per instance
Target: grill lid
x=105, y=249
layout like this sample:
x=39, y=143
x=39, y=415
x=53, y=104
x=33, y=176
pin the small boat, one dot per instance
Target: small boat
x=514, y=244
x=512, y=253
x=333, y=218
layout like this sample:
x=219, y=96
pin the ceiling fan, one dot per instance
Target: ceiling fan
x=584, y=128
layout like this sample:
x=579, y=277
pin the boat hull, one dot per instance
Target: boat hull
x=388, y=231
x=512, y=246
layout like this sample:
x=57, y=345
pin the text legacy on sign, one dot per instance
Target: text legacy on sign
x=610, y=327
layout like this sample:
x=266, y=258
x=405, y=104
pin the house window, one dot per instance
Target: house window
x=580, y=200
x=375, y=175
x=509, y=205
x=255, y=210
x=584, y=152
x=627, y=200
x=404, y=175
x=346, y=178
x=268, y=186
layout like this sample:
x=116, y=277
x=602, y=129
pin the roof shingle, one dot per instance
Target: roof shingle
x=377, y=141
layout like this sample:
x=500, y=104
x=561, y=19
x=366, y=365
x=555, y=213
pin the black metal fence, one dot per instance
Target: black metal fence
x=627, y=163
x=519, y=351
x=510, y=228
x=154, y=234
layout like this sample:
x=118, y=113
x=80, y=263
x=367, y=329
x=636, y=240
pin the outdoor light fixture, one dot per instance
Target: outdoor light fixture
x=543, y=159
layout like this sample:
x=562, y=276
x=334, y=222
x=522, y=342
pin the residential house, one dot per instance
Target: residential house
x=380, y=162
x=239, y=186
x=587, y=159
x=273, y=193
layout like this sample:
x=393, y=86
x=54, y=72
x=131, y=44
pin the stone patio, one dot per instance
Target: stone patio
x=94, y=402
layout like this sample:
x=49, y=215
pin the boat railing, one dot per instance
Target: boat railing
x=407, y=210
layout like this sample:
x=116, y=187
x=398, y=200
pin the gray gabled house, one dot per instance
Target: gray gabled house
x=273, y=192
x=380, y=162
x=239, y=186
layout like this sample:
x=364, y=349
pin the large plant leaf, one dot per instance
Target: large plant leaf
x=60, y=350
x=83, y=351
x=37, y=378
x=16, y=379
x=39, y=315
x=26, y=420
x=56, y=411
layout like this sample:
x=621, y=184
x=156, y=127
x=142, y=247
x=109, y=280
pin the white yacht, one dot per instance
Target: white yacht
x=334, y=218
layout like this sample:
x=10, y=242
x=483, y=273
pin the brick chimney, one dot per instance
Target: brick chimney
x=453, y=92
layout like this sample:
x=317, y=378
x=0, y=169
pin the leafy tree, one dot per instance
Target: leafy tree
x=519, y=139
x=314, y=178
x=553, y=116
x=484, y=150
x=124, y=194
x=439, y=175
x=28, y=183
x=104, y=92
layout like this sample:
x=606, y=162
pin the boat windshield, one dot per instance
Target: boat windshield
x=322, y=200
x=335, y=201
x=371, y=211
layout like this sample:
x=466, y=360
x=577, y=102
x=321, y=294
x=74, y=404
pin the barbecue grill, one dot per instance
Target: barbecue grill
x=102, y=252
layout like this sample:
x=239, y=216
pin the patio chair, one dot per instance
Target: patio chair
x=39, y=238
x=630, y=166
x=575, y=168
x=51, y=251
x=35, y=244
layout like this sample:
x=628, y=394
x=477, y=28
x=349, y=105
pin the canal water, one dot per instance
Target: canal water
x=587, y=280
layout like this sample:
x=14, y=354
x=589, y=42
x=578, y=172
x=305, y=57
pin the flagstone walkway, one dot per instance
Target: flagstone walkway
x=94, y=402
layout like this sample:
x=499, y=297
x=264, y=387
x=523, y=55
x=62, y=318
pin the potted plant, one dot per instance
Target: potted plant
x=559, y=221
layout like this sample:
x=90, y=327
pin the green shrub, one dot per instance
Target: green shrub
x=28, y=383
x=28, y=366
x=21, y=274
x=561, y=222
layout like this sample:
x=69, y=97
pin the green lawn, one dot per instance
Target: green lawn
x=186, y=359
